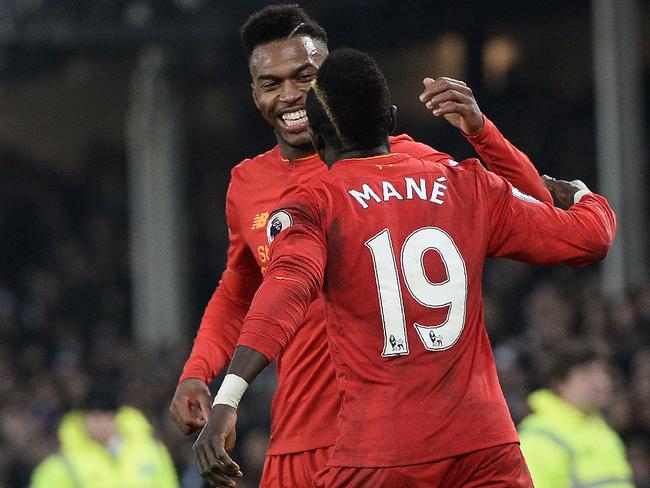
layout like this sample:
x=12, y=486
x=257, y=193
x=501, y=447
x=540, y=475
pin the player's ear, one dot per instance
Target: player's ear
x=393, y=119
x=254, y=93
x=318, y=141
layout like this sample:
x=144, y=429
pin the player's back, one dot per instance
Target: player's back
x=406, y=243
x=257, y=185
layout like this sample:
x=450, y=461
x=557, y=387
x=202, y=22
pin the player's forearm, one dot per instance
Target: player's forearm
x=278, y=310
x=582, y=235
x=504, y=159
x=211, y=352
x=220, y=327
x=279, y=307
x=596, y=223
x=247, y=363
x=546, y=235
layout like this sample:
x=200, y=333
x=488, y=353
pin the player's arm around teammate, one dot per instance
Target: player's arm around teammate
x=455, y=101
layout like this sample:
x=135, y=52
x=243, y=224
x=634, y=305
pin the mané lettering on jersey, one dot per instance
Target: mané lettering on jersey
x=408, y=189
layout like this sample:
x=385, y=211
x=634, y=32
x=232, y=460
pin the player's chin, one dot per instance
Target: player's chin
x=296, y=138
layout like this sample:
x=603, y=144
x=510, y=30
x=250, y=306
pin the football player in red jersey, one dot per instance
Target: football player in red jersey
x=396, y=245
x=285, y=47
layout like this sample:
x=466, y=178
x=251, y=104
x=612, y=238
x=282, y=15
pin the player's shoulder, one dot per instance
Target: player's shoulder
x=472, y=165
x=403, y=143
x=484, y=180
x=251, y=166
x=312, y=192
x=449, y=166
x=302, y=205
x=471, y=172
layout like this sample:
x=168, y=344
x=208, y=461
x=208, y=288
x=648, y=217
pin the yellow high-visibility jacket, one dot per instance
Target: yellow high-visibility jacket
x=568, y=448
x=140, y=461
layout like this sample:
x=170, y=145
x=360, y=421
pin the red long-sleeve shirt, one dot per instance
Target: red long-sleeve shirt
x=305, y=405
x=398, y=246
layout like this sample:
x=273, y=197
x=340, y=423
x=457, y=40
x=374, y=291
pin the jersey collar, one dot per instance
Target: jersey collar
x=381, y=160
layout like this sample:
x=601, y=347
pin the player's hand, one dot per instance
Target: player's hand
x=454, y=100
x=563, y=191
x=217, y=437
x=190, y=406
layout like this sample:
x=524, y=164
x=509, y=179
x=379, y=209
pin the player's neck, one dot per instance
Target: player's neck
x=350, y=153
x=295, y=152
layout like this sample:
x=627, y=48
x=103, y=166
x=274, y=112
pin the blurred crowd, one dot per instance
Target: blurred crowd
x=64, y=317
x=65, y=304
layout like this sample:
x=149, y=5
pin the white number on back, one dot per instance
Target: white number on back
x=451, y=293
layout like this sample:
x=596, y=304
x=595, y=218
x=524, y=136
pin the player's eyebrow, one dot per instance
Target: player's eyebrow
x=294, y=72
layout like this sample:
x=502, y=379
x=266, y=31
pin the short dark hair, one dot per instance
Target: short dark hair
x=277, y=22
x=349, y=104
x=572, y=354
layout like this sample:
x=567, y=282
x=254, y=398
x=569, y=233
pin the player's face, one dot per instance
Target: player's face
x=282, y=72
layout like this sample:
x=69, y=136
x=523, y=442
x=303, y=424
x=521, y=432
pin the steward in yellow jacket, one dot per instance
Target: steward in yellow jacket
x=106, y=450
x=565, y=440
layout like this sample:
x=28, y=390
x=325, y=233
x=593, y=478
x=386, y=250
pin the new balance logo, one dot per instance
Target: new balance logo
x=260, y=219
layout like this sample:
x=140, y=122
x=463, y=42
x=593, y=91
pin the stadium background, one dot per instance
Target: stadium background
x=120, y=121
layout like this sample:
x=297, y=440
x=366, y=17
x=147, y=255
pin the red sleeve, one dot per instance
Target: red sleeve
x=524, y=229
x=224, y=315
x=294, y=278
x=507, y=161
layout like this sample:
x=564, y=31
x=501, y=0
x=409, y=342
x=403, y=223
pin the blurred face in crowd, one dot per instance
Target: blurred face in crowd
x=588, y=386
x=100, y=425
x=282, y=72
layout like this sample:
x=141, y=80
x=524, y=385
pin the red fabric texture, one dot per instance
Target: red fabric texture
x=429, y=404
x=497, y=467
x=294, y=470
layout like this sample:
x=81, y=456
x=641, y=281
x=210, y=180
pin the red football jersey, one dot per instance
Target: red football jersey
x=306, y=403
x=398, y=246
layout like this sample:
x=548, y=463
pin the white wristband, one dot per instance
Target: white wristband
x=579, y=194
x=231, y=391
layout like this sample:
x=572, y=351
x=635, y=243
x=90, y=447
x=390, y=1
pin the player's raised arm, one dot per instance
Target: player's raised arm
x=454, y=100
x=527, y=230
x=294, y=278
x=219, y=330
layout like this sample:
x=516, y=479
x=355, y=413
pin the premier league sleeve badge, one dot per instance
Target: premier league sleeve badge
x=278, y=222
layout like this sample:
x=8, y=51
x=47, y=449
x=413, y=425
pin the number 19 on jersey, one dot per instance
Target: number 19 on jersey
x=451, y=293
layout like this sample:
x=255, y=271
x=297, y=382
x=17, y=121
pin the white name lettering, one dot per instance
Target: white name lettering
x=432, y=191
x=437, y=191
x=390, y=191
x=411, y=187
x=367, y=194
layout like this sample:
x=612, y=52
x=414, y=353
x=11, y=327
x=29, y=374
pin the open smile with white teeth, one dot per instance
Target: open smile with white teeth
x=295, y=119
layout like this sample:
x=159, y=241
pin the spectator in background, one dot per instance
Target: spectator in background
x=106, y=446
x=565, y=440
